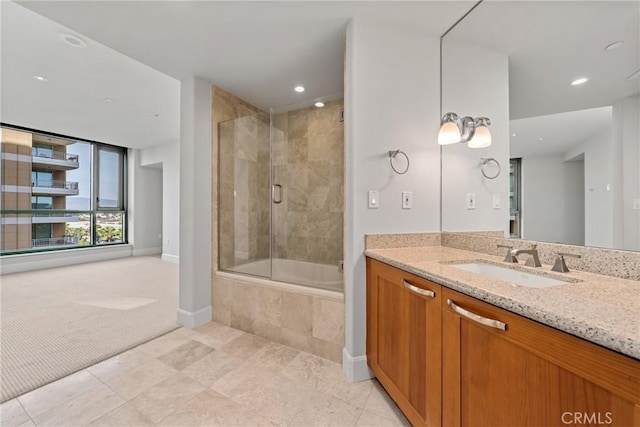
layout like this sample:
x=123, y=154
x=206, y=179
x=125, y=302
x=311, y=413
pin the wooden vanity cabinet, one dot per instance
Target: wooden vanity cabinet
x=529, y=374
x=404, y=342
x=453, y=360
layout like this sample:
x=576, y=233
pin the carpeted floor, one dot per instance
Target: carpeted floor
x=57, y=321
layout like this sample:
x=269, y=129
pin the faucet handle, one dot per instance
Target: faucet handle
x=560, y=265
x=509, y=257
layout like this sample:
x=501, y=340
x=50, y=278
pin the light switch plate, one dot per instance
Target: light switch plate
x=471, y=200
x=373, y=199
x=407, y=200
x=496, y=201
x=636, y=204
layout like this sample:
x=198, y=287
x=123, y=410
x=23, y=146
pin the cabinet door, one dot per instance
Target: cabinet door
x=504, y=370
x=404, y=340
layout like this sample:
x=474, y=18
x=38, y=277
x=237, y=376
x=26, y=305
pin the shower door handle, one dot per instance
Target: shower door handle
x=276, y=193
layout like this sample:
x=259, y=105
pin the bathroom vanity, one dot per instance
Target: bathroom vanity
x=454, y=348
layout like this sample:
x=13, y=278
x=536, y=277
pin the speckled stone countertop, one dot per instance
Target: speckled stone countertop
x=601, y=309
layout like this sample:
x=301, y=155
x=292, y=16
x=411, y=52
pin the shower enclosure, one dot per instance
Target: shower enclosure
x=281, y=194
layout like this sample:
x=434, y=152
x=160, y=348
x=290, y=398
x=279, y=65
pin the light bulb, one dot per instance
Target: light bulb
x=481, y=138
x=449, y=134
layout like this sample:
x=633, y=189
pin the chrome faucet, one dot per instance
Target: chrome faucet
x=533, y=260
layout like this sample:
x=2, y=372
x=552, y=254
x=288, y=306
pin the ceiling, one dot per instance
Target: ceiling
x=138, y=50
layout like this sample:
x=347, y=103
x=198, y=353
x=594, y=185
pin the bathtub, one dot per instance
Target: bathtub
x=320, y=276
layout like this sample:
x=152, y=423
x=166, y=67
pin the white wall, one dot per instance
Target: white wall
x=167, y=155
x=552, y=199
x=475, y=82
x=194, y=296
x=391, y=102
x=144, y=215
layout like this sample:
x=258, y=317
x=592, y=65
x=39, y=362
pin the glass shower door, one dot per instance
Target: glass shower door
x=244, y=195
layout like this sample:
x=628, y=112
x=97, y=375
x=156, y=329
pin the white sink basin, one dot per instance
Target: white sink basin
x=516, y=277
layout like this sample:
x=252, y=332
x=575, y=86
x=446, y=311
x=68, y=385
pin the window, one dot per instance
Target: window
x=60, y=192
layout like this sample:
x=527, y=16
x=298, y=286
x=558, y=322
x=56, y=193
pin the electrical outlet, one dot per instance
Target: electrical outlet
x=471, y=200
x=407, y=200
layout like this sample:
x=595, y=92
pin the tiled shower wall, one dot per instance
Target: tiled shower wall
x=308, y=161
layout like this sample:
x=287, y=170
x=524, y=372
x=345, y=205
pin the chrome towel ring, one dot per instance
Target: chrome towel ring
x=483, y=165
x=392, y=155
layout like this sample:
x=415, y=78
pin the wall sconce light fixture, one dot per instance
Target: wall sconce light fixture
x=475, y=132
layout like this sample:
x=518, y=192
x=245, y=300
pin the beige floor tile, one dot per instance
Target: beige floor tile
x=381, y=404
x=185, y=355
x=12, y=414
x=124, y=415
x=162, y=399
x=273, y=356
x=369, y=419
x=111, y=368
x=264, y=392
x=163, y=344
x=83, y=409
x=213, y=409
x=134, y=382
x=42, y=399
x=212, y=334
x=212, y=367
x=323, y=410
x=327, y=377
x=245, y=346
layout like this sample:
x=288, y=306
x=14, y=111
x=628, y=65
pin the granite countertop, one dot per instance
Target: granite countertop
x=601, y=309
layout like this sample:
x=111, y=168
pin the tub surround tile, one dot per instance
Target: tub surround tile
x=598, y=308
x=269, y=306
x=405, y=240
x=297, y=316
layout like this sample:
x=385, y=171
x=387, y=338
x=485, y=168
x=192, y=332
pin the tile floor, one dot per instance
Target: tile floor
x=213, y=375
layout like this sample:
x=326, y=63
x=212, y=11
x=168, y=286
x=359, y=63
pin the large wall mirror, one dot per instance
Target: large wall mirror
x=560, y=82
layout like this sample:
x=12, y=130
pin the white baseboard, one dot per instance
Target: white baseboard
x=355, y=368
x=171, y=258
x=191, y=320
x=39, y=260
x=147, y=251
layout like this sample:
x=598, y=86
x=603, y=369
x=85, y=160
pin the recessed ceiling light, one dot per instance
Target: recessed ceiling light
x=579, y=81
x=156, y=115
x=108, y=100
x=319, y=104
x=72, y=40
x=40, y=78
x=299, y=89
x=539, y=139
x=513, y=134
x=614, y=45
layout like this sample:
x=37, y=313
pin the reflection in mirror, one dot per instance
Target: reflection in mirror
x=568, y=75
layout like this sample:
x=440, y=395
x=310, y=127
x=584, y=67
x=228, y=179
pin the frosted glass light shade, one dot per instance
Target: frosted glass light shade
x=481, y=138
x=449, y=134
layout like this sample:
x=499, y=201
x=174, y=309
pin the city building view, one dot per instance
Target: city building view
x=47, y=186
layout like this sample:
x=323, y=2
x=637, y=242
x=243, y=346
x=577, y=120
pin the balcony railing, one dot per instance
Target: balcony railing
x=54, y=155
x=54, y=183
x=54, y=241
x=54, y=217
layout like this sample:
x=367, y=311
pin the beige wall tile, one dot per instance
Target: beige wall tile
x=269, y=306
x=297, y=312
x=328, y=320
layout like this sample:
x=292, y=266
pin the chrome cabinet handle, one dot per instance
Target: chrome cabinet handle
x=417, y=290
x=483, y=320
x=278, y=199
